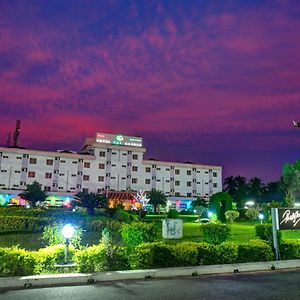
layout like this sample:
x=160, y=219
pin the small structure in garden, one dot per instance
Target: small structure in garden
x=172, y=229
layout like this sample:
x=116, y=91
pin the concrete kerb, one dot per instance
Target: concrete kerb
x=78, y=278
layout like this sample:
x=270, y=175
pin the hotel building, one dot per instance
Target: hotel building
x=107, y=163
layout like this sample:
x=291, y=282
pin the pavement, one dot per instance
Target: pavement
x=22, y=282
x=278, y=284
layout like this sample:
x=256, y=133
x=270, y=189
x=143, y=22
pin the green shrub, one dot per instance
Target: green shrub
x=173, y=214
x=255, y=250
x=17, y=262
x=227, y=253
x=52, y=234
x=17, y=223
x=52, y=255
x=232, y=215
x=252, y=214
x=91, y=259
x=186, y=254
x=215, y=233
x=153, y=255
x=138, y=233
x=264, y=232
x=289, y=249
x=207, y=254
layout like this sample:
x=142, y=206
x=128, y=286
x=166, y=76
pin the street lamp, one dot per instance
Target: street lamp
x=67, y=231
x=261, y=217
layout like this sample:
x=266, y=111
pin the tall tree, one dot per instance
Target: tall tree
x=90, y=201
x=273, y=191
x=34, y=194
x=255, y=189
x=237, y=188
x=157, y=198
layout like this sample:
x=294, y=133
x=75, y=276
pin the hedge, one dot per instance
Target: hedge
x=215, y=233
x=17, y=223
x=264, y=232
x=289, y=249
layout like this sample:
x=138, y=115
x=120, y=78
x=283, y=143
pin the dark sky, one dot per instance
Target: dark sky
x=214, y=82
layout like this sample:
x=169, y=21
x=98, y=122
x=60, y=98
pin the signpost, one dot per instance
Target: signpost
x=284, y=219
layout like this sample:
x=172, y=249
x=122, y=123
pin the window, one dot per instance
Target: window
x=31, y=174
x=57, y=158
x=25, y=155
x=56, y=171
x=79, y=173
x=101, y=166
x=102, y=153
x=215, y=174
x=62, y=161
x=189, y=194
x=17, y=171
x=32, y=160
x=134, y=168
x=61, y=174
x=80, y=160
x=19, y=157
x=3, y=171
x=87, y=164
x=153, y=166
x=73, y=175
x=86, y=190
x=177, y=171
x=134, y=180
x=86, y=177
x=123, y=166
x=147, y=181
x=177, y=194
x=22, y=183
x=101, y=178
x=55, y=185
x=158, y=168
x=48, y=175
x=60, y=188
x=47, y=189
x=148, y=169
x=177, y=182
x=135, y=156
x=215, y=185
x=188, y=172
x=74, y=162
x=49, y=162
x=78, y=186
x=189, y=183
x=24, y=169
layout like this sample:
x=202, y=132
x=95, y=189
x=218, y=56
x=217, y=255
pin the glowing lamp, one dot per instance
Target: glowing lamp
x=261, y=217
x=250, y=203
x=210, y=214
x=67, y=231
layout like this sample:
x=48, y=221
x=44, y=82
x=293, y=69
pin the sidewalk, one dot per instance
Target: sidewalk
x=79, y=278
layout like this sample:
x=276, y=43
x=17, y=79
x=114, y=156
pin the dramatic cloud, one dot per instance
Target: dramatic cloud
x=209, y=81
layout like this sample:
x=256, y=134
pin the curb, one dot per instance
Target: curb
x=79, y=278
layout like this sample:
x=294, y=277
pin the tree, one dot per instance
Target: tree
x=237, y=188
x=200, y=202
x=252, y=213
x=90, y=201
x=34, y=194
x=220, y=203
x=291, y=180
x=157, y=198
x=255, y=189
x=232, y=215
x=273, y=191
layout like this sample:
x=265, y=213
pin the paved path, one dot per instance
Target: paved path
x=283, y=285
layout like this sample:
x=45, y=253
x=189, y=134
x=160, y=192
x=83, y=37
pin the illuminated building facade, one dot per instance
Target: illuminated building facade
x=107, y=163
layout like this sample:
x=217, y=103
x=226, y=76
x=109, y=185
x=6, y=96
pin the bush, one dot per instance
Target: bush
x=91, y=259
x=289, y=249
x=52, y=234
x=17, y=223
x=186, y=254
x=173, y=214
x=215, y=233
x=264, y=232
x=152, y=255
x=252, y=214
x=138, y=233
x=52, y=255
x=232, y=215
x=255, y=250
x=207, y=254
x=17, y=262
x=226, y=253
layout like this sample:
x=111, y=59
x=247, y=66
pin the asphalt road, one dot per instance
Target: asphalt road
x=284, y=285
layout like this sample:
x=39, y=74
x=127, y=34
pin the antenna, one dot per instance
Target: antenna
x=8, y=141
x=17, y=134
x=296, y=124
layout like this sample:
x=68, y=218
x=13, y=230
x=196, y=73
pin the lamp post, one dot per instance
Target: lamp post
x=67, y=231
x=261, y=217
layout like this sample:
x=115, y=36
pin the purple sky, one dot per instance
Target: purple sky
x=213, y=82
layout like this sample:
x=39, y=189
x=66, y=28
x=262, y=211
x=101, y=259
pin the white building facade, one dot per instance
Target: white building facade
x=107, y=163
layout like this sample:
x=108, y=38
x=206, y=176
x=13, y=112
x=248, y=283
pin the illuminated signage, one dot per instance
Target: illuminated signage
x=288, y=218
x=119, y=139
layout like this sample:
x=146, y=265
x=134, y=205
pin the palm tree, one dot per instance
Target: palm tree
x=90, y=201
x=34, y=194
x=255, y=188
x=157, y=198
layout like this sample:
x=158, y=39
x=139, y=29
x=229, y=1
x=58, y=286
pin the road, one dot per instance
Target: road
x=264, y=285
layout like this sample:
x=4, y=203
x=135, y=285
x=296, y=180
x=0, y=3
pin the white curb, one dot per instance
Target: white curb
x=78, y=278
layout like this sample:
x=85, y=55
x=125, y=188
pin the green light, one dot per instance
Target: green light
x=119, y=138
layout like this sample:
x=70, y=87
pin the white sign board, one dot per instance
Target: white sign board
x=172, y=228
